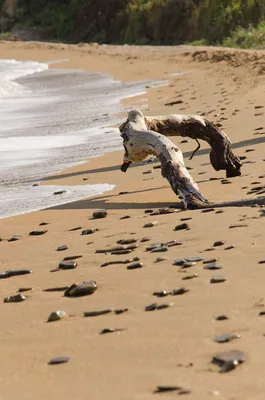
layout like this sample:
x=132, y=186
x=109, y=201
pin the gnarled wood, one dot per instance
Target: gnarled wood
x=196, y=127
x=139, y=142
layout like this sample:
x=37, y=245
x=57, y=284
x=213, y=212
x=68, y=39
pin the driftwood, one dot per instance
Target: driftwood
x=199, y=128
x=140, y=142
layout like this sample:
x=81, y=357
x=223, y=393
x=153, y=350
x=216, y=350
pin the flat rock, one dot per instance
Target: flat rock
x=219, y=243
x=14, y=272
x=160, y=259
x=59, y=360
x=37, y=233
x=221, y=317
x=100, y=214
x=181, y=227
x=110, y=330
x=88, y=231
x=212, y=266
x=229, y=356
x=70, y=258
x=177, y=292
x=218, y=279
x=151, y=224
x=145, y=239
x=226, y=337
x=84, y=289
x=60, y=192
x=127, y=241
x=14, y=238
x=15, y=299
x=68, y=265
x=135, y=265
x=62, y=248
x=160, y=249
x=57, y=289
x=56, y=315
x=97, y=313
x=25, y=289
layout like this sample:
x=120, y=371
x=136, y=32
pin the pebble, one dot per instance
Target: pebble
x=15, y=299
x=126, y=217
x=221, y=317
x=135, y=266
x=120, y=262
x=162, y=389
x=151, y=307
x=14, y=272
x=218, y=279
x=62, y=248
x=145, y=239
x=14, y=238
x=219, y=243
x=59, y=360
x=211, y=260
x=213, y=266
x=88, y=231
x=160, y=249
x=181, y=227
x=111, y=330
x=159, y=259
x=37, y=233
x=123, y=193
x=84, y=289
x=111, y=249
x=162, y=293
x=262, y=262
x=97, y=313
x=188, y=277
x=237, y=226
x=186, y=219
x=151, y=224
x=68, y=265
x=229, y=360
x=226, y=337
x=60, y=192
x=177, y=292
x=188, y=264
x=121, y=252
x=75, y=229
x=57, y=289
x=25, y=289
x=230, y=247
x=70, y=258
x=174, y=243
x=206, y=210
x=43, y=223
x=56, y=316
x=100, y=214
x=127, y=241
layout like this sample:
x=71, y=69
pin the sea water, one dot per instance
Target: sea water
x=51, y=119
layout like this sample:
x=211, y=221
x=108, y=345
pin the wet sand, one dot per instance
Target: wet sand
x=171, y=346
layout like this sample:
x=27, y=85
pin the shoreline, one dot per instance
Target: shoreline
x=170, y=346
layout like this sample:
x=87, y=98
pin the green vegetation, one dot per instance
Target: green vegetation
x=236, y=23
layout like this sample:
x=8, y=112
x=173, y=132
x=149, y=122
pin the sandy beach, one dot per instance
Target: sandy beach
x=171, y=346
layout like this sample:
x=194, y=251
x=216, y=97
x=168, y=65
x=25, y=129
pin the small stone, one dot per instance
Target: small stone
x=70, y=258
x=163, y=306
x=211, y=260
x=25, y=289
x=57, y=289
x=75, y=229
x=206, y=210
x=262, y=262
x=221, y=317
x=15, y=299
x=218, y=279
x=230, y=247
x=151, y=307
x=213, y=266
x=110, y=330
x=43, y=223
x=127, y=241
x=238, y=226
x=120, y=311
x=37, y=233
x=97, y=313
x=56, y=316
x=181, y=227
x=188, y=277
x=68, y=265
x=62, y=248
x=194, y=259
x=177, y=292
x=151, y=224
x=226, y=337
x=84, y=289
x=160, y=249
x=219, y=243
x=14, y=238
x=14, y=272
x=59, y=360
x=229, y=366
x=88, y=231
x=145, y=239
x=135, y=265
x=100, y=214
x=123, y=193
x=227, y=358
x=60, y=192
x=179, y=261
x=121, y=252
x=162, y=293
x=126, y=217
x=163, y=389
x=174, y=243
x=160, y=259
x=188, y=264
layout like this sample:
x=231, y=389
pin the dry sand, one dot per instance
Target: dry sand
x=173, y=346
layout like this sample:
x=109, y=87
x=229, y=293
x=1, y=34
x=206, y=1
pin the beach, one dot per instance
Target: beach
x=172, y=346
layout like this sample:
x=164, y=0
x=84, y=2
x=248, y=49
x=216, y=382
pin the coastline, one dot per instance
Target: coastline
x=168, y=347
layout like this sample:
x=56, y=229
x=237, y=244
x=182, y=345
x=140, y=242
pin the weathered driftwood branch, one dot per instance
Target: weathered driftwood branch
x=139, y=142
x=199, y=128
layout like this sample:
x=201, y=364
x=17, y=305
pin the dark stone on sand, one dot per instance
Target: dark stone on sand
x=162, y=293
x=62, y=248
x=15, y=299
x=75, y=229
x=100, y=214
x=37, y=233
x=135, y=266
x=43, y=223
x=35, y=184
x=218, y=279
x=25, y=289
x=177, y=292
x=111, y=330
x=14, y=238
x=127, y=241
x=14, y=272
x=188, y=277
x=126, y=217
x=145, y=239
x=88, y=231
x=181, y=227
x=120, y=311
x=212, y=260
x=57, y=289
x=163, y=389
x=163, y=306
x=84, y=289
x=121, y=252
x=70, y=258
x=229, y=360
x=123, y=193
x=219, y=212
x=68, y=264
x=262, y=313
x=151, y=224
x=60, y=192
x=219, y=243
x=221, y=317
x=230, y=247
x=151, y=307
x=174, y=243
x=207, y=210
x=212, y=266
x=59, y=360
x=188, y=264
x=186, y=219
x=97, y=313
x=128, y=261
x=160, y=259
x=56, y=315
x=160, y=249
x=238, y=226
x=262, y=262
x=193, y=259
x=226, y=337
x=111, y=249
